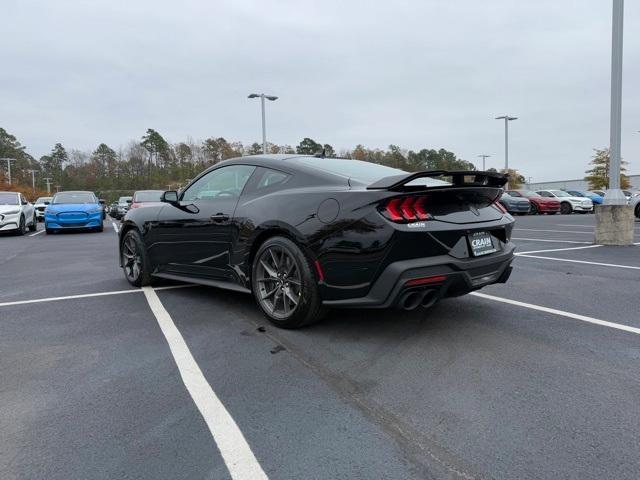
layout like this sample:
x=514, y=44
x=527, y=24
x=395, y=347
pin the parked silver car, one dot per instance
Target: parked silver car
x=16, y=213
x=40, y=204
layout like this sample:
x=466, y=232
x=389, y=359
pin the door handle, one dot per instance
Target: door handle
x=220, y=217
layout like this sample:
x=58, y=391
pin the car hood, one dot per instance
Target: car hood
x=73, y=207
x=9, y=208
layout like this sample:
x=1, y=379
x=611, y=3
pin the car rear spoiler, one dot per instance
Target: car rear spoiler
x=459, y=178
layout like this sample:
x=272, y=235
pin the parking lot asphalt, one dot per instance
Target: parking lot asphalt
x=537, y=378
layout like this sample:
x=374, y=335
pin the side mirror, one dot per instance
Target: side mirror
x=128, y=201
x=170, y=196
x=47, y=203
x=102, y=201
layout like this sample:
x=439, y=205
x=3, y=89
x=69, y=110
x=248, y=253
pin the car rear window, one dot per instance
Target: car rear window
x=365, y=172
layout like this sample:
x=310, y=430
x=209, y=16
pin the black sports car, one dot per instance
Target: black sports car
x=304, y=233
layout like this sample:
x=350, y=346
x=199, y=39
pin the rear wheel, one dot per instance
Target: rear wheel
x=551, y=213
x=638, y=210
x=284, y=285
x=34, y=224
x=533, y=209
x=135, y=261
x=565, y=208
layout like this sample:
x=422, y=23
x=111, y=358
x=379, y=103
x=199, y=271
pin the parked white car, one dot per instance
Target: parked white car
x=40, y=204
x=569, y=203
x=635, y=203
x=16, y=213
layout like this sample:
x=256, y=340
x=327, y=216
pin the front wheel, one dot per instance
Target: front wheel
x=638, y=210
x=565, y=208
x=533, y=209
x=22, y=228
x=135, y=261
x=284, y=284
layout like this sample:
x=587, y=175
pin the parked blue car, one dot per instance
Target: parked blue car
x=595, y=198
x=73, y=210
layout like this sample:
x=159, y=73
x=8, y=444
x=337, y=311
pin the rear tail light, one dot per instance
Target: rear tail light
x=406, y=209
x=134, y=205
x=500, y=207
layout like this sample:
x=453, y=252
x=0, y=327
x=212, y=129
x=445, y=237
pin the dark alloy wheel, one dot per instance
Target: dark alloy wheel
x=284, y=284
x=638, y=210
x=34, y=224
x=533, y=209
x=565, y=208
x=134, y=260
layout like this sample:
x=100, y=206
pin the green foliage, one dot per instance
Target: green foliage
x=308, y=147
x=598, y=174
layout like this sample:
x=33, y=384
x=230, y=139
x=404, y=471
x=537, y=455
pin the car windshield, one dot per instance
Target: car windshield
x=559, y=193
x=9, y=199
x=575, y=193
x=364, y=172
x=514, y=194
x=124, y=199
x=43, y=199
x=148, y=196
x=592, y=193
x=73, y=197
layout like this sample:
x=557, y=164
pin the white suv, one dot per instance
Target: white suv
x=40, y=205
x=569, y=203
x=16, y=213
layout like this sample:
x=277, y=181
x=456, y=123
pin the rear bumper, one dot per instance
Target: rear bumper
x=462, y=276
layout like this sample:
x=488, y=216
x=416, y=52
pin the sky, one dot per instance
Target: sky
x=418, y=74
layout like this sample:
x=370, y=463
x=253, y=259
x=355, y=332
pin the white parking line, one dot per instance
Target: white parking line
x=554, y=231
x=562, y=313
x=235, y=451
x=37, y=233
x=546, y=240
x=87, y=295
x=558, y=249
x=115, y=226
x=581, y=261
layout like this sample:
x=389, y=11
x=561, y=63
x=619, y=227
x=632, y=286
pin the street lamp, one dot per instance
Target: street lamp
x=9, y=160
x=33, y=180
x=47, y=180
x=506, y=119
x=272, y=98
x=614, y=195
x=484, y=157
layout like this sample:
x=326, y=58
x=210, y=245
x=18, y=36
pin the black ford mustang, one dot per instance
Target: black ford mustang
x=304, y=233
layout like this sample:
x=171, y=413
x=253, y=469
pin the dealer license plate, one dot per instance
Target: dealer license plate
x=481, y=244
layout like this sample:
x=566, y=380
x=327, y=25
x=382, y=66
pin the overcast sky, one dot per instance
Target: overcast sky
x=423, y=73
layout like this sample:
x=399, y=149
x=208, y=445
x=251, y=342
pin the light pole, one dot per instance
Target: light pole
x=506, y=119
x=484, y=157
x=614, y=195
x=272, y=98
x=33, y=180
x=9, y=160
x=48, y=182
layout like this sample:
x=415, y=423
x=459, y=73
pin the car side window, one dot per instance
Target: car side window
x=271, y=178
x=544, y=194
x=224, y=182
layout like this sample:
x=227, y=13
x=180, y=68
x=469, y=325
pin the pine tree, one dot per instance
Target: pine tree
x=598, y=175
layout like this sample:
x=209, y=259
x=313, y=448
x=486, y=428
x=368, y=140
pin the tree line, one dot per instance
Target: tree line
x=154, y=162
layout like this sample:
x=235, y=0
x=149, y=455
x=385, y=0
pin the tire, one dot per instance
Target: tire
x=551, y=213
x=100, y=228
x=533, y=210
x=22, y=228
x=48, y=231
x=638, y=210
x=34, y=224
x=282, y=274
x=566, y=208
x=135, y=259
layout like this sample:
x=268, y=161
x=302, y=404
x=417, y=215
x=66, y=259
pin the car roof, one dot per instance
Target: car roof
x=74, y=191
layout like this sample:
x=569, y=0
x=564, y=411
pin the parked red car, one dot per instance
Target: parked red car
x=539, y=204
